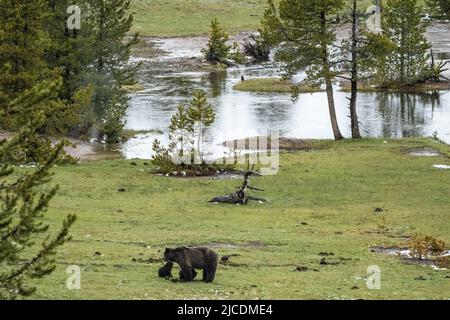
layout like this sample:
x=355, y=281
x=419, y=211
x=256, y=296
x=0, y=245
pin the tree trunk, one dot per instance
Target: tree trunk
x=354, y=82
x=199, y=143
x=329, y=85
x=332, y=110
x=353, y=113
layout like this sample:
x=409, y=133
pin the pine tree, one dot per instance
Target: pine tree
x=23, y=41
x=408, y=61
x=181, y=131
x=306, y=37
x=38, y=102
x=185, y=130
x=353, y=56
x=180, y=148
x=354, y=69
x=201, y=115
x=21, y=219
x=107, y=22
x=68, y=49
x=350, y=52
x=70, y=52
x=24, y=47
x=217, y=49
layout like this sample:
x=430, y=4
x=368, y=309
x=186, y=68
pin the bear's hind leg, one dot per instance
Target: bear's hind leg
x=194, y=275
x=209, y=273
x=186, y=274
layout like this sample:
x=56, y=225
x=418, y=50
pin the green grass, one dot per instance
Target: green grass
x=192, y=17
x=170, y=18
x=272, y=85
x=334, y=189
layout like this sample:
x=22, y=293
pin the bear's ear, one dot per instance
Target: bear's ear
x=167, y=250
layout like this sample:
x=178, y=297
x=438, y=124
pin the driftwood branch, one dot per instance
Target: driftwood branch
x=240, y=196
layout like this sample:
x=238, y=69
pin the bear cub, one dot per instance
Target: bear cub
x=190, y=259
x=166, y=272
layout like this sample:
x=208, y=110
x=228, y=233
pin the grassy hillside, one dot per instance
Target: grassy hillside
x=321, y=201
x=192, y=17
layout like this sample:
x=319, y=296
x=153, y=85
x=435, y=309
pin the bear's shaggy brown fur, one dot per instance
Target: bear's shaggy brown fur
x=190, y=259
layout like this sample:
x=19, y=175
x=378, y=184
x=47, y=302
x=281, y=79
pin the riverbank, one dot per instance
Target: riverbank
x=327, y=209
x=179, y=53
x=86, y=151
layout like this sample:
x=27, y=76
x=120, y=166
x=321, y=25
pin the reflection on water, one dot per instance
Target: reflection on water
x=405, y=115
x=243, y=114
x=217, y=81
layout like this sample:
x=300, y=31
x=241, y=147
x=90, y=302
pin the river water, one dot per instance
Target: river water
x=243, y=114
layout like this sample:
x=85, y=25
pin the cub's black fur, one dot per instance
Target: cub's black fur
x=190, y=259
x=166, y=270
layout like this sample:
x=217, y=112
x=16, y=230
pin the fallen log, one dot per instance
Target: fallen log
x=235, y=198
x=240, y=196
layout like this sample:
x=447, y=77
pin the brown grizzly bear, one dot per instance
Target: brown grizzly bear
x=190, y=259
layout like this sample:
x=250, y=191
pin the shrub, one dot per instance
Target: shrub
x=384, y=224
x=422, y=246
x=257, y=47
x=162, y=159
x=443, y=262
